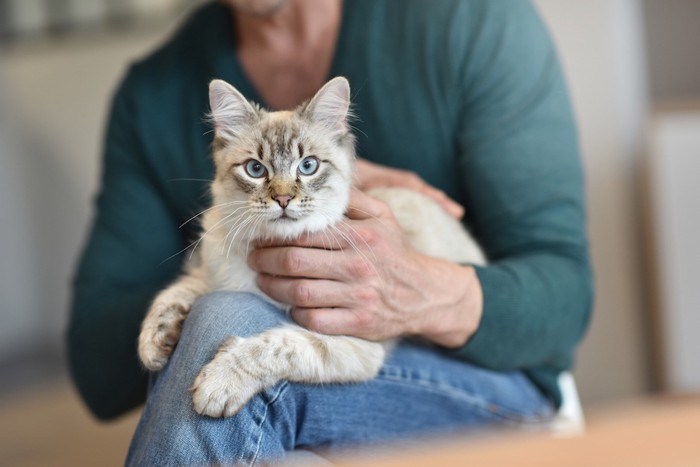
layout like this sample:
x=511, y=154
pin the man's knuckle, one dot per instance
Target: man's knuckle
x=383, y=209
x=361, y=268
x=292, y=261
x=413, y=179
x=366, y=295
x=364, y=321
x=317, y=323
x=302, y=293
x=367, y=235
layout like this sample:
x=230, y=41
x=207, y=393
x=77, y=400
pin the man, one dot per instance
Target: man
x=466, y=93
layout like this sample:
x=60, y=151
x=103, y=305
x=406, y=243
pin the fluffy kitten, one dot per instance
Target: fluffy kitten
x=278, y=175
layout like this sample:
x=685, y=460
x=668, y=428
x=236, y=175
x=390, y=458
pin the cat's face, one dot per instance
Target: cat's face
x=279, y=174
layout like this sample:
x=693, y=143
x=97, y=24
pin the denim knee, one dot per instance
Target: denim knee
x=233, y=313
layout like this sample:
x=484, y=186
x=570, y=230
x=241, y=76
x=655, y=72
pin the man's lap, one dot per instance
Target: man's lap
x=420, y=391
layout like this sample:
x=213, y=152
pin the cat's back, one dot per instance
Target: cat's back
x=432, y=231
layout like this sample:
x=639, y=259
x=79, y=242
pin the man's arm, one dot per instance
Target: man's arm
x=523, y=186
x=121, y=269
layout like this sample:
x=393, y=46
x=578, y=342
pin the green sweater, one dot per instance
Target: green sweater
x=467, y=93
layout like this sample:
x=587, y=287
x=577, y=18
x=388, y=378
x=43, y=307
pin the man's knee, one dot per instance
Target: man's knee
x=232, y=313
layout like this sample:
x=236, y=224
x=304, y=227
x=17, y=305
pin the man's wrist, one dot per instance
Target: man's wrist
x=458, y=316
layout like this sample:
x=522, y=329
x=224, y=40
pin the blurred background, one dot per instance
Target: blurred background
x=634, y=73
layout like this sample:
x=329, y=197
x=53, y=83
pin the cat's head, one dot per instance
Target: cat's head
x=287, y=172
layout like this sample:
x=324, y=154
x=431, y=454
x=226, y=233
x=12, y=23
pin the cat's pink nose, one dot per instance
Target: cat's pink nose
x=282, y=200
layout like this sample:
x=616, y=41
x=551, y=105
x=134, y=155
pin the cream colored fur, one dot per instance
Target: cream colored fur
x=244, y=210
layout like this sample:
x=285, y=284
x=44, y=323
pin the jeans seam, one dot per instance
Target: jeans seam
x=489, y=407
x=276, y=396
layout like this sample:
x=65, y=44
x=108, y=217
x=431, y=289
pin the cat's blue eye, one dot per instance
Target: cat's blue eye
x=255, y=168
x=308, y=166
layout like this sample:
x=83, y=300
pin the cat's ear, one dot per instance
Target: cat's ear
x=331, y=104
x=230, y=111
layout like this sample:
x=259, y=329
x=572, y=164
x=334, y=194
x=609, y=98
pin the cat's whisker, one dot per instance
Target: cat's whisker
x=371, y=216
x=350, y=227
x=351, y=242
x=327, y=236
x=242, y=228
x=250, y=223
x=196, y=243
x=347, y=225
x=181, y=251
x=333, y=228
x=233, y=232
x=368, y=214
x=332, y=235
x=190, y=180
x=230, y=203
x=254, y=233
x=222, y=220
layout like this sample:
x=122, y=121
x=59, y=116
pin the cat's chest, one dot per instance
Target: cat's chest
x=228, y=272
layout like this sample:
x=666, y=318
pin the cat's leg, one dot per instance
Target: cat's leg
x=170, y=432
x=161, y=328
x=243, y=367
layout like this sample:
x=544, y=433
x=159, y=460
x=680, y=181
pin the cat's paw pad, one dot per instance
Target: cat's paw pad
x=220, y=389
x=158, y=337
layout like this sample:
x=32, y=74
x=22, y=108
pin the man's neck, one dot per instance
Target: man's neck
x=288, y=53
x=297, y=23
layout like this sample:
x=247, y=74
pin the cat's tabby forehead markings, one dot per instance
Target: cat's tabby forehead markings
x=281, y=138
x=218, y=144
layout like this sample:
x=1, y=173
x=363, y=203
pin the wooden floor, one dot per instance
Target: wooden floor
x=49, y=426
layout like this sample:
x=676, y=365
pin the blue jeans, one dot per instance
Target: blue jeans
x=419, y=392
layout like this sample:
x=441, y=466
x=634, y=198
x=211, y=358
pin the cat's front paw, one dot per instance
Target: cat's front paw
x=221, y=389
x=159, y=334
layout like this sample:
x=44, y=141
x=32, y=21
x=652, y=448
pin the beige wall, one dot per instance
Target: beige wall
x=673, y=28
x=602, y=48
x=59, y=95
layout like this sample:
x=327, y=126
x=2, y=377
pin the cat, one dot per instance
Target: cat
x=279, y=175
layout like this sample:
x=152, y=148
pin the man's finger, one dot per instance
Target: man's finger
x=301, y=263
x=306, y=293
x=328, y=239
x=332, y=321
x=452, y=207
x=362, y=206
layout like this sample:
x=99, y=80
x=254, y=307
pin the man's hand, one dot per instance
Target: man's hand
x=363, y=278
x=369, y=175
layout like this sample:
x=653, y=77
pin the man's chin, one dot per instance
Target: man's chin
x=256, y=7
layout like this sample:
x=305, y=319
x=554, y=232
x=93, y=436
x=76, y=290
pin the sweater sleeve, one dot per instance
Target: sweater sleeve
x=522, y=180
x=120, y=270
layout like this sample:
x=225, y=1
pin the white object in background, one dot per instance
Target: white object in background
x=28, y=16
x=87, y=12
x=152, y=7
x=569, y=420
x=674, y=191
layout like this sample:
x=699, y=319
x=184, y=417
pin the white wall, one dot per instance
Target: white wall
x=59, y=95
x=53, y=102
x=674, y=195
